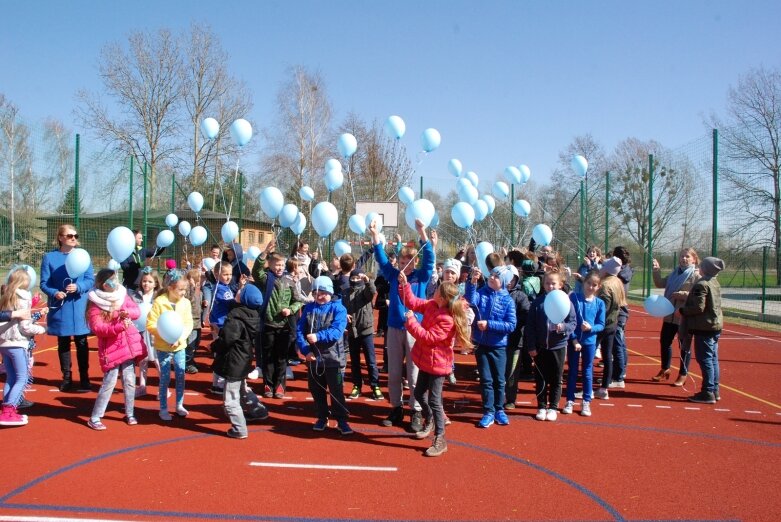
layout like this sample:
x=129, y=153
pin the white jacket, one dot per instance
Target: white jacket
x=16, y=333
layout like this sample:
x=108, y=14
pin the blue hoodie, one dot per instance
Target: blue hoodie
x=592, y=312
x=496, y=307
x=328, y=321
x=418, y=280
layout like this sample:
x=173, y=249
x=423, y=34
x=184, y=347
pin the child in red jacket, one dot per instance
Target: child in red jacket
x=444, y=321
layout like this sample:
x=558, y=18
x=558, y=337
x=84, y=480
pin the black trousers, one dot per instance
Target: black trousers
x=82, y=356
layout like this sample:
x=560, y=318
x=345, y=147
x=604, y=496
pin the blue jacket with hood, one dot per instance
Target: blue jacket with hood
x=328, y=321
x=495, y=306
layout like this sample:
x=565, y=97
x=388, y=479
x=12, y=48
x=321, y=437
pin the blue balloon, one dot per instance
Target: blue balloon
x=501, y=190
x=31, y=273
x=332, y=164
x=579, y=165
x=333, y=179
x=210, y=128
x=165, y=238
x=357, y=223
x=341, y=248
x=406, y=195
x=658, y=306
x=271, y=201
x=526, y=173
x=169, y=326
x=121, y=242
x=252, y=253
x=195, y=201
x=229, y=231
x=455, y=167
x=198, y=236
x=288, y=214
x=468, y=194
x=395, y=127
x=542, y=234
x=306, y=193
x=434, y=221
x=171, y=220
x=430, y=140
x=347, y=145
x=77, y=262
x=556, y=306
x=113, y=265
x=184, y=228
x=512, y=175
x=472, y=177
x=143, y=311
x=241, y=132
x=299, y=225
x=490, y=201
x=522, y=208
x=463, y=214
x=481, y=251
x=481, y=209
x=324, y=218
x=373, y=216
x=421, y=209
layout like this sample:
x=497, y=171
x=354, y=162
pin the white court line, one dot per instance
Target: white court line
x=320, y=466
x=753, y=412
x=634, y=405
x=725, y=409
x=664, y=407
x=524, y=402
x=605, y=404
x=691, y=408
x=56, y=519
x=752, y=335
x=191, y=393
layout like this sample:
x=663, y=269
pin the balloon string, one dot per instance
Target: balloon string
x=350, y=178
x=233, y=193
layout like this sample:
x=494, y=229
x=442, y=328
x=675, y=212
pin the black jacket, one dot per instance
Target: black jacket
x=234, y=350
x=522, y=305
x=358, y=302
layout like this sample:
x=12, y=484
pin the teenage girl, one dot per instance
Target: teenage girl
x=612, y=293
x=590, y=316
x=171, y=298
x=110, y=314
x=148, y=285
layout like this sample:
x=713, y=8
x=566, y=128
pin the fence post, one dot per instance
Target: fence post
x=765, y=250
x=650, y=249
x=173, y=193
x=130, y=196
x=607, y=208
x=146, y=210
x=714, y=243
x=76, y=210
x=421, y=187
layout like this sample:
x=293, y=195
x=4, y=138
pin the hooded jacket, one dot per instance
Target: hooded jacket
x=358, y=302
x=183, y=308
x=522, y=305
x=540, y=333
x=17, y=333
x=117, y=342
x=234, y=349
x=434, y=336
x=496, y=307
x=592, y=312
x=328, y=321
x=702, y=310
x=418, y=279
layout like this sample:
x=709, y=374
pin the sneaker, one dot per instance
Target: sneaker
x=598, y=353
x=416, y=422
x=568, y=407
x=405, y=384
x=426, y=431
x=501, y=418
x=542, y=414
x=140, y=391
x=486, y=421
x=344, y=428
x=715, y=394
x=355, y=393
x=579, y=395
x=377, y=393
x=181, y=411
x=25, y=404
x=165, y=415
x=601, y=393
x=551, y=415
x=617, y=384
x=448, y=422
x=320, y=425
x=235, y=434
x=509, y=406
x=131, y=421
x=216, y=390
x=451, y=378
x=258, y=414
x=437, y=448
x=395, y=418
x=191, y=369
x=585, y=410
x=267, y=393
x=96, y=425
x=254, y=374
x=279, y=393
x=703, y=397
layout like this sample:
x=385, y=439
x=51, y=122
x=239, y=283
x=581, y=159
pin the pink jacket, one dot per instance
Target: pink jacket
x=434, y=337
x=116, y=342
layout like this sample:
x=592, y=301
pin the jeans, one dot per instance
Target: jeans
x=325, y=381
x=192, y=345
x=547, y=378
x=399, y=345
x=82, y=356
x=512, y=371
x=605, y=340
x=428, y=392
x=128, y=370
x=666, y=336
x=365, y=344
x=165, y=359
x=236, y=394
x=586, y=368
x=16, y=373
x=207, y=292
x=706, y=350
x=491, y=363
x=620, y=359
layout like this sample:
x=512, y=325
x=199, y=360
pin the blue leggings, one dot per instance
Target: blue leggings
x=15, y=359
x=165, y=359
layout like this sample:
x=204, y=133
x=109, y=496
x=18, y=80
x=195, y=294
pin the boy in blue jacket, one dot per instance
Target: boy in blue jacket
x=494, y=320
x=320, y=337
x=399, y=342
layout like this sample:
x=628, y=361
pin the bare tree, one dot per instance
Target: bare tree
x=59, y=151
x=144, y=84
x=15, y=156
x=751, y=135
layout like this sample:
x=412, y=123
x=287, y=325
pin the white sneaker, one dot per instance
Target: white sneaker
x=551, y=415
x=568, y=407
x=598, y=354
x=541, y=414
x=181, y=411
x=601, y=393
x=254, y=374
x=586, y=409
x=165, y=415
x=617, y=384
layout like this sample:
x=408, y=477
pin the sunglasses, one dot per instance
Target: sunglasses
x=71, y=236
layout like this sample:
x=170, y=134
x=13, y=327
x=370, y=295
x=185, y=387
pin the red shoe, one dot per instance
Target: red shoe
x=9, y=417
x=279, y=393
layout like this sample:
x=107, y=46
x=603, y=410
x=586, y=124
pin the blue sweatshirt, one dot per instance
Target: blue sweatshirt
x=328, y=321
x=418, y=280
x=223, y=299
x=592, y=312
x=496, y=307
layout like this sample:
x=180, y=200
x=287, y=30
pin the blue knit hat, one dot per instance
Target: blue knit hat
x=504, y=273
x=251, y=297
x=324, y=284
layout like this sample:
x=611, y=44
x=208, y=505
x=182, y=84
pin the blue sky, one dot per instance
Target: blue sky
x=504, y=82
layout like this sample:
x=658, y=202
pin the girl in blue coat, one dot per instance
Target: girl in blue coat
x=68, y=306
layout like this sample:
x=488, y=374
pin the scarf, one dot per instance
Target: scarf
x=106, y=301
x=676, y=280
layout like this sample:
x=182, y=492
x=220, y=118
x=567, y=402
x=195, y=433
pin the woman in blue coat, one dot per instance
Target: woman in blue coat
x=67, y=306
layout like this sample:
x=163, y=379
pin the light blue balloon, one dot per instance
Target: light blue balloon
x=490, y=201
x=324, y=218
x=481, y=209
x=171, y=220
x=77, y=262
x=169, y=326
x=165, y=238
x=472, y=177
x=332, y=164
x=395, y=127
x=542, y=234
x=210, y=128
x=556, y=306
x=455, y=167
x=113, y=265
x=121, y=242
x=209, y=264
x=373, y=216
x=481, y=251
x=333, y=179
x=658, y=306
x=406, y=195
x=197, y=236
x=421, y=209
x=341, y=248
x=512, y=175
x=463, y=214
x=357, y=224
x=252, y=253
x=579, y=165
x=143, y=312
x=522, y=208
x=501, y=190
x=271, y=201
x=468, y=194
x=195, y=201
x=30, y=273
x=241, y=132
x=299, y=225
x=347, y=145
x=306, y=193
x=526, y=173
x=435, y=220
x=430, y=140
x=288, y=214
x=229, y=231
x=184, y=228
